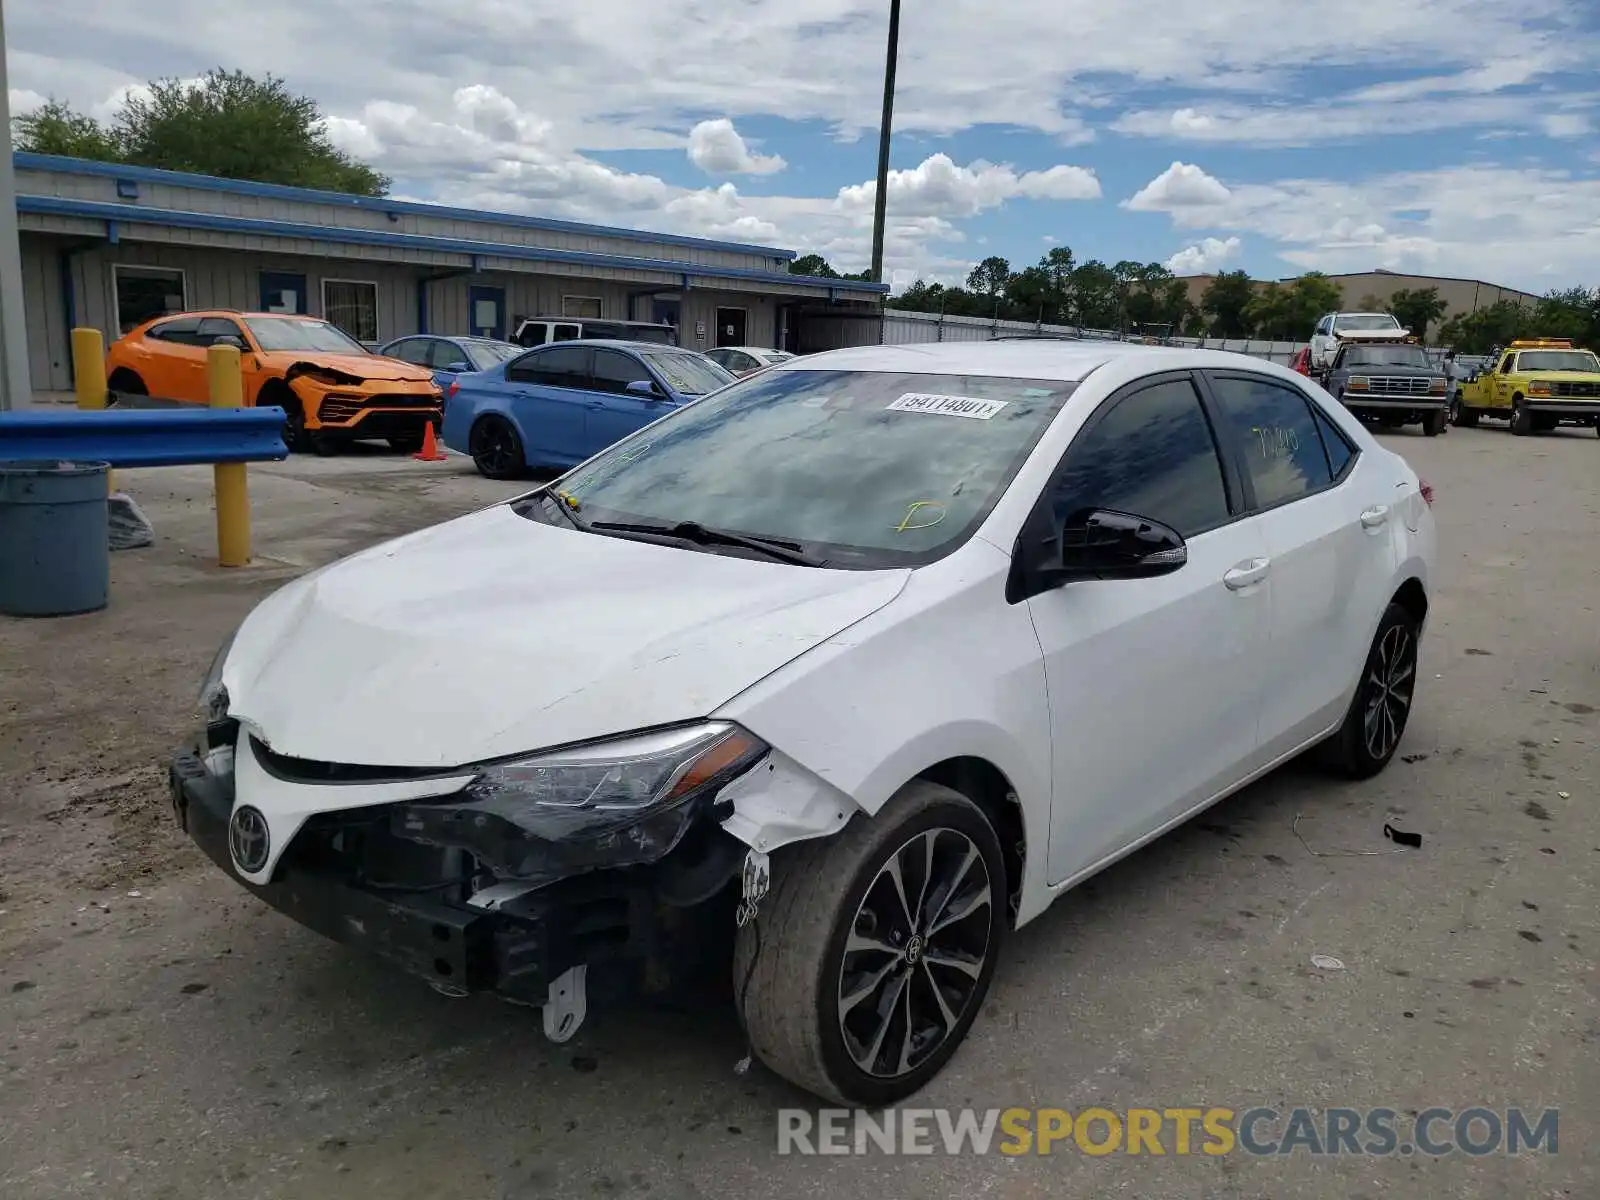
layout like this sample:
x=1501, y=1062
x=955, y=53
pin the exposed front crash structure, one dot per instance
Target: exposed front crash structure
x=337, y=404
x=614, y=866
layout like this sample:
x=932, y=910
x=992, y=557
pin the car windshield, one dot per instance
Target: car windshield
x=863, y=469
x=487, y=354
x=688, y=373
x=297, y=333
x=1558, y=360
x=1386, y=356
x=1365, y=321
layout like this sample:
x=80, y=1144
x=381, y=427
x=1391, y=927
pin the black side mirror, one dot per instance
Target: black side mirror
x=1101, y=544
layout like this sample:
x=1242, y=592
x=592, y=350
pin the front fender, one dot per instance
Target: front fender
x=946, y=670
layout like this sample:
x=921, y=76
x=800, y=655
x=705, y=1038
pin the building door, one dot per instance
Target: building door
x=283, y=292
x=730, y=326
x=667, y=312
x=486, y=312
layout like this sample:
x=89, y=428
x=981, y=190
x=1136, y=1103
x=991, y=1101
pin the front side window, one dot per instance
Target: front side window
x=484, y=355
x=299, y=333
x=1278, y=435
x=865, y=469
x=1152, y=455
x=614, y=371
x=212, y=328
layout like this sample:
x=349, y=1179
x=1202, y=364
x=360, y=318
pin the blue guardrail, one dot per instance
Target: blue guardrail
x=162, y=437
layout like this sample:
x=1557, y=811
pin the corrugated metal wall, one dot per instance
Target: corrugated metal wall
x=103, y=188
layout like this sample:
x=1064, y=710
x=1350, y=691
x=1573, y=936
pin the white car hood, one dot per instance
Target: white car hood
x=492, y=635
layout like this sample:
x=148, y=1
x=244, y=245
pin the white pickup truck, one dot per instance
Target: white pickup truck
x=1325, y=340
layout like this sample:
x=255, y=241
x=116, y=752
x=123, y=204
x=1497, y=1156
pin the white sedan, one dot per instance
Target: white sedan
x=886, y=648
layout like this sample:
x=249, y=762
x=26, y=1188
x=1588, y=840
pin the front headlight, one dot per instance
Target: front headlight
x=607, y=804
x=1538, y=388
x=213, y=699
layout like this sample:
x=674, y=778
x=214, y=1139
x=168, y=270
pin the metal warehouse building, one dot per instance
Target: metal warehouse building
x=108, y=246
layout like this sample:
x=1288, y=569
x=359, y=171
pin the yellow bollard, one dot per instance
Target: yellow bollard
x=226, y=383
x=89, y=375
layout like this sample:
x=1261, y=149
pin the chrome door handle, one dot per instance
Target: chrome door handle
x=1375, y=516
x=1245, y=574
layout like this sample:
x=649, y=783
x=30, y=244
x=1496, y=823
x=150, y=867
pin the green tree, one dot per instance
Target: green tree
x=227, y=124
x=239, y=127
x=1289, y=311
x=1573, y=313
x=1226, y=301
x=53, y=128
x=1096, y=296
x=989, y=278
x=1495, y=325
x=1417, y=309
x=814, y=265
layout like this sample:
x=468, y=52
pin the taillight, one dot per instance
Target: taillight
x=1427, y=491
x=455, y=386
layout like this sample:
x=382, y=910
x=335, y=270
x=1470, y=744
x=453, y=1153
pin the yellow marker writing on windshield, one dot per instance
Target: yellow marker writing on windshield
x=913, y=509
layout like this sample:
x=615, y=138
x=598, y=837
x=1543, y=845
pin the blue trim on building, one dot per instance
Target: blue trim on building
x=112, y=213
x=24, y=161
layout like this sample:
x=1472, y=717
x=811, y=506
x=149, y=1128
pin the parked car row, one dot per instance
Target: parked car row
x=564, y=390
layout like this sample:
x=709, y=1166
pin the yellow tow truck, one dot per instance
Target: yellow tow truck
x=1536, y=384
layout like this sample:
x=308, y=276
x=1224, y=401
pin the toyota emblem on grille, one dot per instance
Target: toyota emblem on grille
x=248, y=839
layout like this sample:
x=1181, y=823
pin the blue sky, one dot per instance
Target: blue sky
x=1456, y=137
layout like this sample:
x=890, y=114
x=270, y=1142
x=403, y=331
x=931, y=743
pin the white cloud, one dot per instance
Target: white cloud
x=1204, y=257
x=938, y=186
x=1567, y=125
x=1182, y=185
x=1500, y=223
x=21, y=100
x=717, y=149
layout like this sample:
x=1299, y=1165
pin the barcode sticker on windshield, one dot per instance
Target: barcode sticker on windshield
x=948, y=406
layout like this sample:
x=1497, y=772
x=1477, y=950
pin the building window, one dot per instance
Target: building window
x=580, y=306
x=352, y=305
x=145, y=292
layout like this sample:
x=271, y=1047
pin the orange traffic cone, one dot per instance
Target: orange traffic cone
x=430, y=451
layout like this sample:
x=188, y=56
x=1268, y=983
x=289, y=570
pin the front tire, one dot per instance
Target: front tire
x=1376, y=719
x=1521, y=418
x=1434, y=423
x=872, y=953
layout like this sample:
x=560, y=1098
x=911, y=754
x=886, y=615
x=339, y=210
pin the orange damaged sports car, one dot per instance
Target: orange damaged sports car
x=331, y=386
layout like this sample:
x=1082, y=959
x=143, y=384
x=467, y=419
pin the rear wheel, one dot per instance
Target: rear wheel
x=496, y=449
x=1378, y=712
x=1463, y=415
x=872, y=953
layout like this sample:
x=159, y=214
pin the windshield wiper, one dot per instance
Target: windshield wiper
x=693, y=531
x=567, y=510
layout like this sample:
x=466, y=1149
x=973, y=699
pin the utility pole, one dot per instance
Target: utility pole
x=884, y=129
x=16, y=387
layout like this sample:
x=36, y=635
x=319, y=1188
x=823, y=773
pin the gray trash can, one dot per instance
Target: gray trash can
x=55, y=556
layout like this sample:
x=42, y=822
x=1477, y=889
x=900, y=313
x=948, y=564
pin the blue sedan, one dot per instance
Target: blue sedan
x=448, y=357
x=554, y=407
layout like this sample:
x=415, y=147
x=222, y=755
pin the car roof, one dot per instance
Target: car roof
x=601, y=321
x=1030, y=358
x=614, y=344
x=753, y=349
x=233, y=312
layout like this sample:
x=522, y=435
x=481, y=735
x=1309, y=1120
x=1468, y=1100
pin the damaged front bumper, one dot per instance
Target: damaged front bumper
x=436, y=914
